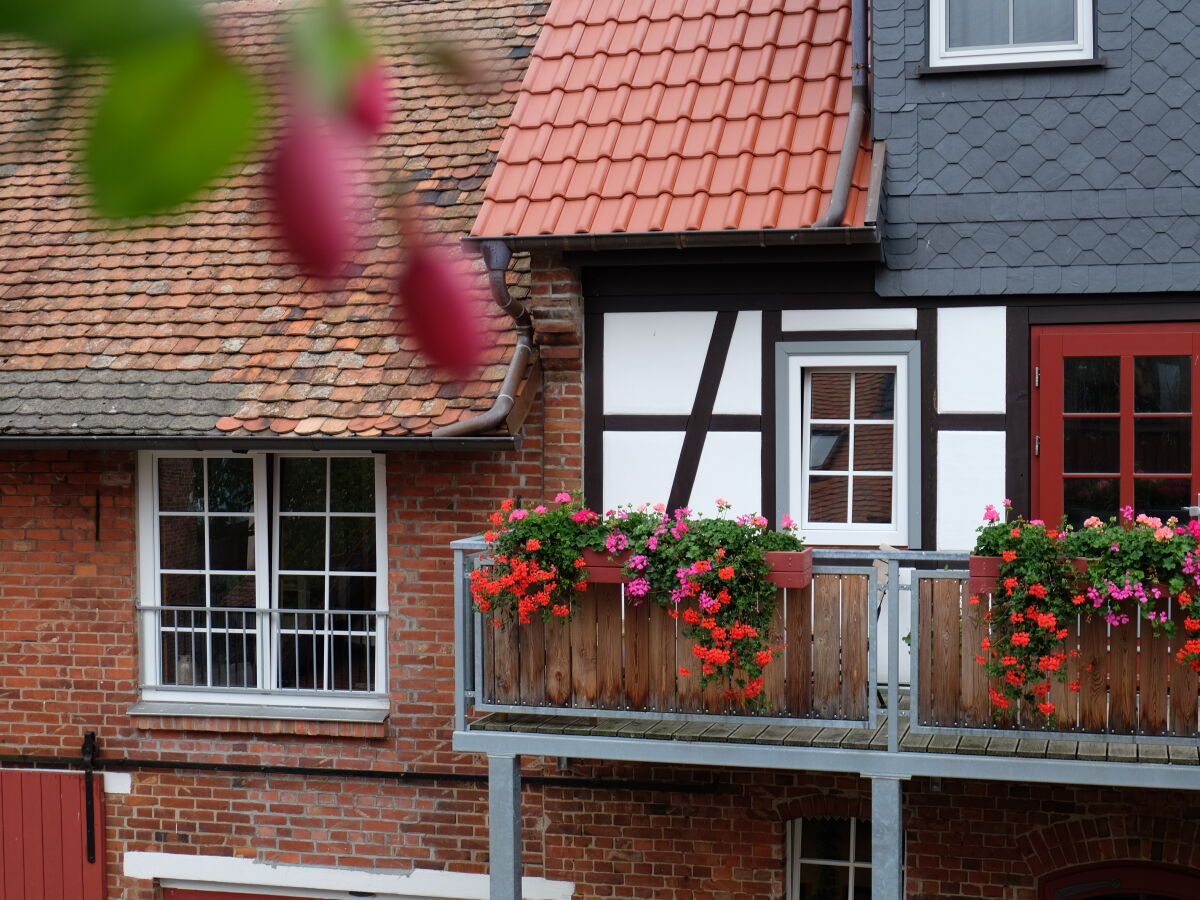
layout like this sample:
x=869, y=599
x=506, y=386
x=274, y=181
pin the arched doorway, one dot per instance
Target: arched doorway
x=1123, y=881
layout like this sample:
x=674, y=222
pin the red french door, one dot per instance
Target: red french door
x=1113, y=419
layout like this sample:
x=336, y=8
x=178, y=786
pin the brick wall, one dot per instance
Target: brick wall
x=68, y=664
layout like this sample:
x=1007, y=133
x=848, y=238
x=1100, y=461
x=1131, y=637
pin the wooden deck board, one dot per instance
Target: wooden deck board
x=1184, y=756
x=944, y=743
x=1062, y=749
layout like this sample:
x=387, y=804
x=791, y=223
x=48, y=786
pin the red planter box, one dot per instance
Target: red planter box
x=984, y=570
x=605, y=570
x=790, y=568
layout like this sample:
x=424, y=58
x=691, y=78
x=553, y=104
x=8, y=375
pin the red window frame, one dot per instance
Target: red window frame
x=1050, y=344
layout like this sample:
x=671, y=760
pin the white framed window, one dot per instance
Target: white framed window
x=263, y=580
x=848, y=435
x=1007, y=32
x=828, y=859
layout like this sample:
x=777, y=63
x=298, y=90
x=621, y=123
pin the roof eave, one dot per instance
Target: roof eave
x=651, y=240
x=407, y=443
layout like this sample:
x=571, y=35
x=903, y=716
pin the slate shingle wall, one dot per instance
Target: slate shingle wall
x=1071, y=180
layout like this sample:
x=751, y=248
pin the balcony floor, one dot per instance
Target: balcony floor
x=1000, y=745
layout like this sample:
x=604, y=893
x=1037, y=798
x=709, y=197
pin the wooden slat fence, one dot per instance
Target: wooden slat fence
x=1129, y=680
x=616, y=654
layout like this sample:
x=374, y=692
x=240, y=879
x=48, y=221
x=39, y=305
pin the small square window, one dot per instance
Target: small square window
x=828, y=859
x=848, y=433
x=1009, y=32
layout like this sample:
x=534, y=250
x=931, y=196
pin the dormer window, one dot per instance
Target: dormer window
x=1009, y=32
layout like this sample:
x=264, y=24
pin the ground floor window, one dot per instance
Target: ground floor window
x=263, y=577
x=1113, y=420
x=828, y=859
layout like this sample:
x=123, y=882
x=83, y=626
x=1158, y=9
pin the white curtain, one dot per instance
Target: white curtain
x=1002, y=23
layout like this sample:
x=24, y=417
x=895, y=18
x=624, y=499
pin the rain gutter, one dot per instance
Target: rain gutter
x=839, y=198
x=681, y=240
x=496, y=255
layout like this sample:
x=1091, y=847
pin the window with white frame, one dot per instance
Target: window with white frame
x=1007, y=32
x=263, y=579
x=828, y=859
x=850, y=444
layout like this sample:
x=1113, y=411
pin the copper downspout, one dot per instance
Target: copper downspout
x=840, y=196
x=496, y=256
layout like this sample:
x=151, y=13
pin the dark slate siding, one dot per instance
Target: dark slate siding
x=1068, y=180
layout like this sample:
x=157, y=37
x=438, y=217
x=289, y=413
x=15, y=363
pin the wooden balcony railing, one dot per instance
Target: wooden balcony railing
x=1129, y=682
x=617, y=654
x=621, y=658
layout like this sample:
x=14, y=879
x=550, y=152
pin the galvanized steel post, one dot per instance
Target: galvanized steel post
x=887, y=839
x=504, y=826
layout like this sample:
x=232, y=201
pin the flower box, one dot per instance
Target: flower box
x=605, y=568
x=984, y=570
x=790, y=568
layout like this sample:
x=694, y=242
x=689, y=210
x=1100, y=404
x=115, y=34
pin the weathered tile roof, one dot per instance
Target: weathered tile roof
x=678, y=115
x=199, y=324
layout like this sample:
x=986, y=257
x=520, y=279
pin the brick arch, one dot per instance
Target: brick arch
x=1155, y=878
x=1095, y=840
x=824, y=805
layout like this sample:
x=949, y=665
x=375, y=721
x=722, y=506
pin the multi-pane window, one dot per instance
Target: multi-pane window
x=849, y=442
x=850, y=446
x=1113, y=420
x=829, y=859
x=263, y=575
x=965, y=32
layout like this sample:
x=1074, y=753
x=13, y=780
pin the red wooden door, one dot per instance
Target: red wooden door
x=1113, y=419
x=43, y=837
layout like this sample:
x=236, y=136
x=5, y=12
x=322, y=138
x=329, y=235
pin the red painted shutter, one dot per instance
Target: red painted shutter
x=43, y=838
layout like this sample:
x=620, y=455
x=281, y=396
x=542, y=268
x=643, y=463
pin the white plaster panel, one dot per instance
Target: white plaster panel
x=849, y=319
x=730, y=469
x=740, y=392
x=639, y=466
x=652, y=361
x=971, y=360
x=970, y=473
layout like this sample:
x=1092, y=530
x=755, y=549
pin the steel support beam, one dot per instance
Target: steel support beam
x=504, y=826
x=887, y=839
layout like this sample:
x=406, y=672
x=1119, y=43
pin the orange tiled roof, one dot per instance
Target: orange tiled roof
x=199, y=325
x=678, y=115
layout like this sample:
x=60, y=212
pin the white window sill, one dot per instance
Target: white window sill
x=252, y=711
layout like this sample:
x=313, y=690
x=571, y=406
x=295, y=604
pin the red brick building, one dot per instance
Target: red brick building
x=228, y=494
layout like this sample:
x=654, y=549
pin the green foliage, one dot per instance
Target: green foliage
x=333, y=51
x=106, y=28
x=175, y=115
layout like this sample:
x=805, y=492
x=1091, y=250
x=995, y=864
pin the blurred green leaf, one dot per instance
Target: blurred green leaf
x=174, y=116
x=78, y=28
x=330, y=51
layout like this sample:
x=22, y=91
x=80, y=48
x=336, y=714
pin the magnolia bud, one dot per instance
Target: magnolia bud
x=441, y=314
x=369, y=98
x=315, y=192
